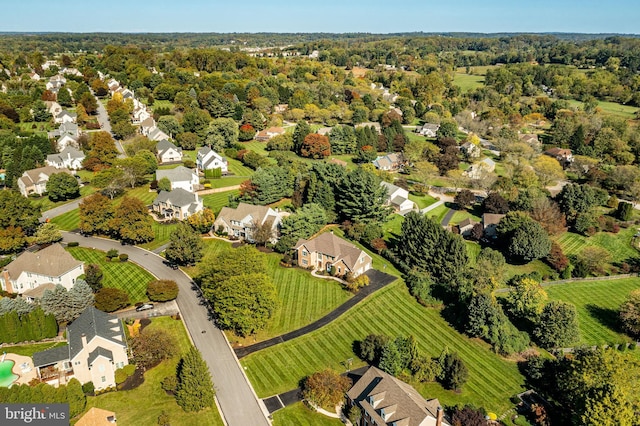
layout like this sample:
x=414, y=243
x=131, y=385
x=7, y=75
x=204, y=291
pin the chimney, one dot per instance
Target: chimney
x=439, y=416
x=84, y=342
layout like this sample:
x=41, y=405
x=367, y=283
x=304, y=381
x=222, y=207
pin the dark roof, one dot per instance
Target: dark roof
x=93, y=323
x=178, y=197
x=51, y=356
x=100, y=351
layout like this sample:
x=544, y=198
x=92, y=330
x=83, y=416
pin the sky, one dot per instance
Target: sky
x=333, y=16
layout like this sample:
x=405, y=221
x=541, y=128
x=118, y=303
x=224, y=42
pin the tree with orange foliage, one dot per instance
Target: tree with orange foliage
x=315, y=146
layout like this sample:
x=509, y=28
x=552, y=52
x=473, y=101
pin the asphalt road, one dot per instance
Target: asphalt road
x=105, y=125
x=60, y=210
x=238, y=402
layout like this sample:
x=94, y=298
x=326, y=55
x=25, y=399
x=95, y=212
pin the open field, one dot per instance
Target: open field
x=126, y=276
x=492, y=380
x=150, y=396
x=597, y=303
x=611, y=108
x=299, y=415
x=218, y=200
x=619, y=245
x=468, y=82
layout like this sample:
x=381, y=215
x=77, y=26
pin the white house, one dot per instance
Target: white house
x=208, y=159
x=53, y=107
x=180, y=177
x=428, y=129
x=69, y=158
x=65, y=141
x=168, y=152
x=65, y=117
x=96, y=349
x=156, y=134
x=51, y=265
x=388, y=162
x=480, y=169
x=35, y=181
x=398, y=198
x=177, y=204
x=139, y=115
x=146, y=125
x=470, y=150
x=50, y=63
x=266, y=134
x=241, y=221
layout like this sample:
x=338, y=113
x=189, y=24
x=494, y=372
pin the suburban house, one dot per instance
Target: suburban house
x=338, y=161
x=65, y=117
x=466, y=226
x=113, y=85
x=324, y=131
x=564, y=156
x=208, y=159
x=398, y=198
x=168, y=152
x=429, y=130
x=156, y=134
x=280, y=108
x=489, y=223
x=146, y=125
x=67, y=135
x=177, y=204
x=69, y=158
x=140, y=114
x=97, y=417
x=531, y=139
x=326, y=251
x=96, y=347
x=50, y=63
x=266, y=134
x=241, y=221
x=35, y=181
x=34, y=76
x=53, y=107
x=386, y=400
x=51, y=265
x=389, y=162
x=470, y=150
x=478, y=170
x=180, y=177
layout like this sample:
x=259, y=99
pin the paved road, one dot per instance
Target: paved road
x=159, y=310
x=60, y=210
x=239, y=404
x=105, y=124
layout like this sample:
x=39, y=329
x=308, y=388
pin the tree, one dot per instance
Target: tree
x=62, y=186
x=548, y=214
x=12, y=240
x=222, y=133
x=558, y=325
x=47, y=233
x=390, y=359
x=65, y=305
x=299, y=134
x=246, y=132
x=102, y=151
x=624, y=211
x=325, y=388
x=89, y=102
x=202, y=221
x=96, y=213
x=575, y=199
x=464, y=198
x=40, y=112
x=315, y=146
x=495, y=203
x=132, y=222
x=370, y=349
x=556, y=258
x=591, y=260
x=527, y=299
x=152, y=346
x=111, y=299
x=366, y=154
x=361, y=198
x=93, y=275
x=454, y=372
x=468, y=416
x=195, y=388
x=185, y=246
x=170, y=125
x=162, y=290
x=304, y=223
x=630, y=313
x=18, y=211
x=523, y=238
x=447, y=129
x=123, y=130
x=548, y=169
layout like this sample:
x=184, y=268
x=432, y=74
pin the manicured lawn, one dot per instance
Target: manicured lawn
x=257, y=147
x=162, y=104
x=303, y=298
x=619, y=245
x=422, y=200
x=438, y=213
x=468, y=82
x=299, y=415
x=142, y=193
x=492, y=380
x=218, y=200
x=29, y=350
x=461, y=215
x=227, y=181
x=126, y=276
x=162, y=233
x=393, y=226
x=143, y=405
x=68, y=221
x=46, y=204
x=238, y=169
x=597, y=303
x=533, y=266
x=473, y=250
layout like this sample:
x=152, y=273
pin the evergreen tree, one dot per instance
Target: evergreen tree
x=195, y=389
x=361, y=198
x=558, y=325
x=301, y=131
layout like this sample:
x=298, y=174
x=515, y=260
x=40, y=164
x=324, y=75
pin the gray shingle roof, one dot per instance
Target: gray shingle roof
x=178, y=197
x=93, y=323
x=333, y=246
x=179, y=174
x=99, y=351
x=165, y=145
x=51, y=356
x=53, y=261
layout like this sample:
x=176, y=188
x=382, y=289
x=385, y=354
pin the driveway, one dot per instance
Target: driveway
x=159, y=310
x=60, y=210
x=238, y=402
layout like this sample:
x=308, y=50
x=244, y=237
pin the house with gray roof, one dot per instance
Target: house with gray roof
x=389, y=162
x=428, y=129
x=155, y=134
x=326, y=252
x=177, y=204
x=241, y=221
x=35, y=181
x=386, y=400
x=208, y=159
x=180, y=177
x=69, y=158
x=51, y=265
x=96, y=348
x=398, y=198
x=168, y=152
x=480, y=169
x=65, y=117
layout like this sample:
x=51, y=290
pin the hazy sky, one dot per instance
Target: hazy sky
x=374, y=16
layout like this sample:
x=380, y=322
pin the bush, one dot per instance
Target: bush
x=111, y=299
x=123, y=257
x=88, y=388
x=189, y=164
x=121, y=376
x=73, y=244
x=162, y=290
x=170, y=383
x=112, y=253
x=356, y=284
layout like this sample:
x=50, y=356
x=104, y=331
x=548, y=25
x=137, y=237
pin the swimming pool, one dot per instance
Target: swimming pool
x=6, y=375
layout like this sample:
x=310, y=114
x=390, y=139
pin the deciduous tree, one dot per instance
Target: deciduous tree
x=62, y=186
x=630, y=313
x=131, y=222
x=558, y=325
x=185, y=246
x=96, y=213
x=111, y=299
x=152, y=346
x=325, y=388
x=315, y=146
x=162, y=290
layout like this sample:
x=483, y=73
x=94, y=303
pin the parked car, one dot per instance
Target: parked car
x=144, y=307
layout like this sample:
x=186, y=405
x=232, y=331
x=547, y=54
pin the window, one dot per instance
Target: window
x=77, y=363
x=304, y=252
x=304, y=261
x=104, y=379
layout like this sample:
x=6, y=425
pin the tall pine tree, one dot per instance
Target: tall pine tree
x=195, y=388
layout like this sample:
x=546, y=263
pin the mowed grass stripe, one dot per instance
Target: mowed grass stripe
x=393, y=312
x=597, y=303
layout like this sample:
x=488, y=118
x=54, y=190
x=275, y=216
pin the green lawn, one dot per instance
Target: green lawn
x=68, y=221
x=162, y=104
x=393, y=226
x=227, y=181
x=29, y=350
x=218, y=200
x=438, y=213
x=46, y=204
x=611, y=108
x=299, y=415
x=492, y=380
x=422, y=200
x=255, y=146
x=468, y=82
x=238, y=169
x=143, y=405
x=473, y=250
x=162, y=233
x=461, y=215
x=533, y=266
x=619, y=245
x=597, y=303
x=126, y=276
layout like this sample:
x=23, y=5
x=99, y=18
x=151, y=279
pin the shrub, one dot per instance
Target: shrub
x=112, y=253
x=357, y=283
x=170, y=383
x=121, y=376
x=162, y=290
x=88, y=388
x=123, y=257
x=189, y=164
x=111, y=299
x=73, y=244
x=325, y=388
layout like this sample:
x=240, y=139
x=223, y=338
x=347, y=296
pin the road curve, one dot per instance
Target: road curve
x=238, y=402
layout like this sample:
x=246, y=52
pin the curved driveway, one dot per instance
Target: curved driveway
x=238, y=402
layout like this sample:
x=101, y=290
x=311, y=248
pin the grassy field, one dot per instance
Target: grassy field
x=438, y=213
x=162, y=233
x=299, y=415
x=392, y=311
x=533, y=266
x=468, y=82
x=422, y=200
x=29, y=350
x=303, y=298
x=611, y=108
x=238, y=169
x=126, y=276
x=143, y=405
x=473, y=250
x=46, y=204
x=393, y=226
x=255, y=146
x=68, y=221
x=218, y=200
x=227, y=181
x=619, y=245
x=597, y=303
x=162, y=104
